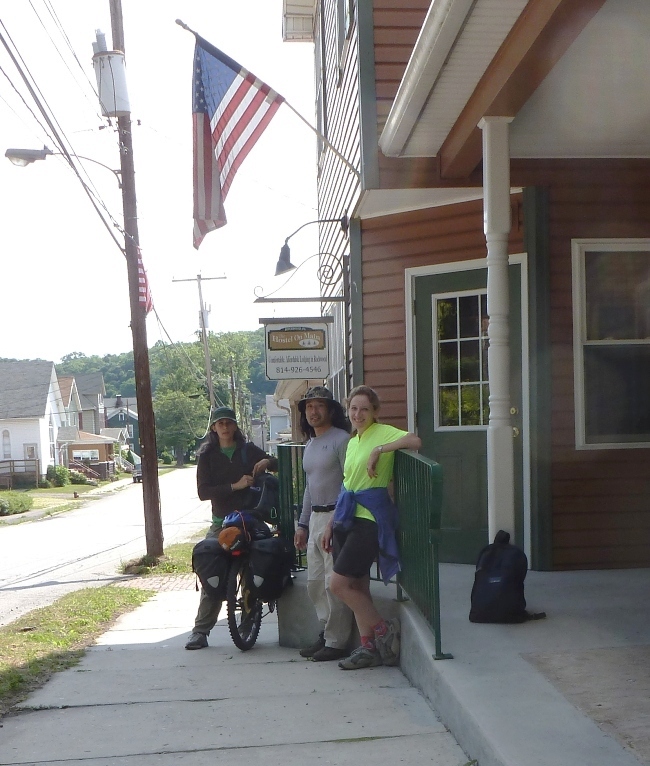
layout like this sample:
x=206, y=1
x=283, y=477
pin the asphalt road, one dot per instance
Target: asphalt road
x=41, y=560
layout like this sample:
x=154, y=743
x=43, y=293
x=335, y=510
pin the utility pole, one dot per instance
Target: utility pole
x=204, y=336
x=147, y=426
x=233, y=395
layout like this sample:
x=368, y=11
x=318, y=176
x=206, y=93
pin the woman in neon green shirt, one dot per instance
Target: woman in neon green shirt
x=359, y=528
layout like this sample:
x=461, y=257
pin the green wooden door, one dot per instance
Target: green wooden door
x=452, y=390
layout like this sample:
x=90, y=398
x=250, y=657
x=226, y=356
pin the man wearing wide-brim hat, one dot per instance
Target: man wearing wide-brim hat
x=326, y=428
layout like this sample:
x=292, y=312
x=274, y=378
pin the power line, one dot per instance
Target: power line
x=57, y=139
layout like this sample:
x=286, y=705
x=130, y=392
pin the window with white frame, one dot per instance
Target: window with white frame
x=611, y=327
x=6, y=445
x=86, y=455
x=460, y=372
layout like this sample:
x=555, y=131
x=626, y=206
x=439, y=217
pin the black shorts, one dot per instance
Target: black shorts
x=354, y=551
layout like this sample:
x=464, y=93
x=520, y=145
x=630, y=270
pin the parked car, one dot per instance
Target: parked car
x=137, y=473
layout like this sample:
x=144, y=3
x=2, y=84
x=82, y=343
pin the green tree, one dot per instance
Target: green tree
x=181, y=420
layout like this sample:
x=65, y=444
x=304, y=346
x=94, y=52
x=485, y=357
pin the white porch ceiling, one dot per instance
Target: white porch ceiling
x=594, y=103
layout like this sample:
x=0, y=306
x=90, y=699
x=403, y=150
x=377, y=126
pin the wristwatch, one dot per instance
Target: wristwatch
x=381, y=447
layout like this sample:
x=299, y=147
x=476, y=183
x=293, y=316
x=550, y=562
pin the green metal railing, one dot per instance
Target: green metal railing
x=418, y=495
x=292, y=488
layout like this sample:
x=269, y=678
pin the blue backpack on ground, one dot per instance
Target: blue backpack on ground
x=498, y=590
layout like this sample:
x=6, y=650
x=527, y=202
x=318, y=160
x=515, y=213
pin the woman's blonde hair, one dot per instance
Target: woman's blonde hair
x=373, y=398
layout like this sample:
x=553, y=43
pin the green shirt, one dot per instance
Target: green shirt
x=355, y=474
x=229, y=451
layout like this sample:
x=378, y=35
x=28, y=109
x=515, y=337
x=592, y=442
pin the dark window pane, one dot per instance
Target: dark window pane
x=449, y=406
x=469, y=319
x=447, y=328
x=470, y=405
x=617, y=292
x=617, y=394
x=470, y=365
x=448, y=362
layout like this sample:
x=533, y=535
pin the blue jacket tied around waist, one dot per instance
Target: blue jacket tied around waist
x=378, y=502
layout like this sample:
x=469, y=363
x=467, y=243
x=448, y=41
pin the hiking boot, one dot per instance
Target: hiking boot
x=388, y=644
x=328, y=653
x=197, y=641
x=361, y=658
x=310, y=651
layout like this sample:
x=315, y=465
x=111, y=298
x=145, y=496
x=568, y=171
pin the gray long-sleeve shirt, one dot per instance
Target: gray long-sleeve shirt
x=323, y=461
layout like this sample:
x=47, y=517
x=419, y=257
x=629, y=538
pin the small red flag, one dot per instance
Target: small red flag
x=144, y=293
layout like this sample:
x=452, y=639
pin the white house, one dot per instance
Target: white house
x=31, y=412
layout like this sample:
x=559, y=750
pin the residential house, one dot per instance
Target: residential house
x=279, y=418
x=120, y=438
x=70, y=399
x=93, y=454
x=122, y=412
x=31, y=413
x=71, y=412
x=499, y=250
x=92, y=391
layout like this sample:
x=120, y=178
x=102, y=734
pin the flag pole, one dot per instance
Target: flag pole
x=297, y=113
x=325, y=141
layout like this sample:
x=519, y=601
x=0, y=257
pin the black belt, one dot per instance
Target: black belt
x=323, y=508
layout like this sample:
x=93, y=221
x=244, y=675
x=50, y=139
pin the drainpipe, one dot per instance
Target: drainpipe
x=496, y=224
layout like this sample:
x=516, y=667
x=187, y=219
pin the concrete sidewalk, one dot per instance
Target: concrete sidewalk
x=139, y=697
x=571, y=690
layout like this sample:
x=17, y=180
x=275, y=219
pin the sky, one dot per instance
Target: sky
x=63, y=281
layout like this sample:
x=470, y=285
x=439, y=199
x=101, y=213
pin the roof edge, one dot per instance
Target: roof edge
x=444, y=21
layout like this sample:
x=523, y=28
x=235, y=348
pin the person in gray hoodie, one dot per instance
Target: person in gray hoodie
x=326, y=428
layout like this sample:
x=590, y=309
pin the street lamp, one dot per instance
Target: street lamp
x=284, y=261
x=332, y=269
x=147, y=429
x=23, y=157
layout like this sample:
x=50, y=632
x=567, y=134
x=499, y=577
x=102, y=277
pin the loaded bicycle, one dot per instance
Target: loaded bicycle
x=248, y=567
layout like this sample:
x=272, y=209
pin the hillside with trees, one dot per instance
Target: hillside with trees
x=179, y=384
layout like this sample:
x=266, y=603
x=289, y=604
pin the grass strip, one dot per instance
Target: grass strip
x=55, y=637
x=177, y=559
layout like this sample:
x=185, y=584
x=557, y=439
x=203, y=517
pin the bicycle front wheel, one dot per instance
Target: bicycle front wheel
x=244, y=609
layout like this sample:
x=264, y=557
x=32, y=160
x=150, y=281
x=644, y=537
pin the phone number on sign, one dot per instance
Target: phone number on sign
x=298, y=369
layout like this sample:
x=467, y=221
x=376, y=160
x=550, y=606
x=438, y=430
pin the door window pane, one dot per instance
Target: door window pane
x=461, y=360
x=447, y=319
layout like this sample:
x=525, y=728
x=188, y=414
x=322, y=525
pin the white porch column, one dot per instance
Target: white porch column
x=496, y=224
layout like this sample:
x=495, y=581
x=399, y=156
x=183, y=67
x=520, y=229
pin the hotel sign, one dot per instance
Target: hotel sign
x=296, y=349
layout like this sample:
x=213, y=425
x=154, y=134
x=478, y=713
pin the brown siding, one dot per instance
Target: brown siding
x=396, y=28
x=600, y=498
x=391, y=244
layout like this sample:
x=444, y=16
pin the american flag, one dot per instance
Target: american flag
x=231, y=108
x=144, y=293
